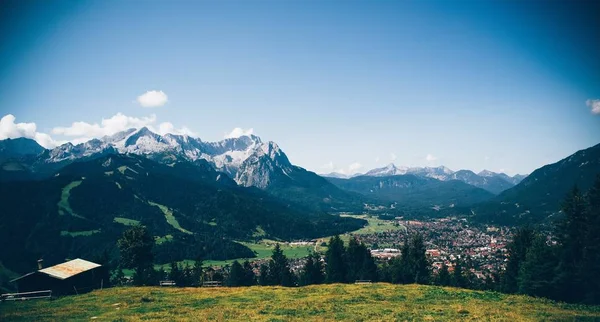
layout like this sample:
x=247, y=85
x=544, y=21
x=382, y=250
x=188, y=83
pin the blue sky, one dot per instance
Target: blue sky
x=339, y=85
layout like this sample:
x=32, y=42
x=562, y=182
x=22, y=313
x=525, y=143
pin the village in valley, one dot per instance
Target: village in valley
x=481, y=249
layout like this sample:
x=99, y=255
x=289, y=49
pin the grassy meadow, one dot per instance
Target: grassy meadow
x=263, y=249
x=375, y=302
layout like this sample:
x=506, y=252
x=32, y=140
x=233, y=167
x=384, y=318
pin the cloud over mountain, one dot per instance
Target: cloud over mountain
x=238, y=131
x=430, y=157
x=11, y=130
x=153, y=99
x=79, y=132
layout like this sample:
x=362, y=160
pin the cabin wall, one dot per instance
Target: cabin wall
x=77, y=284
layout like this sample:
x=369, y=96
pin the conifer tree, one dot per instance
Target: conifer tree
x=354, y=260
x=263, y=278
x=175, y=274
x=571, y=236
x=249, y=278
x=135, y=247
x=279, y=271
x=458, y=278
x=443, y=277
x=536, y=274
x=400, y=266
x=312, y=272
x=335, y=271
x=236, y=275
x=517, y=250
x=591, y=251
x=196, y=278
x=419, y=266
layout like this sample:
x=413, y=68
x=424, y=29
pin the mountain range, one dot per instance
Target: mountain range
x=539, y=196
x=201, y=197
x=190, y=208
x=247, y=160
x=487, y=180
x=409, y=189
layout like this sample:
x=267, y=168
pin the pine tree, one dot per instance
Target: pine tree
x=186, y=275
x=419, y=266
x=249, y=278
x=307, y=271
x=571, y=236
x=354, y=259
x=335, y=271
x=175, y=274
x=312, y=272
x=263, y=278
x=279, y=271
x=369, y=267
x=135, y=247
x=196, y=275
x=443, y=277
x=591, y=251
x=400, y=266
x=517, y=250
x=537, y=271
x=236, y=275
x=458, y=278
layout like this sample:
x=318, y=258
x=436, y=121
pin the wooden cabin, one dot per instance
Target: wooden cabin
x=72, y=277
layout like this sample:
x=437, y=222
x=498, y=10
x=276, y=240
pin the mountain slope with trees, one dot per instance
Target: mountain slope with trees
x=191, y=211
x=538, y=197
x=415, y=190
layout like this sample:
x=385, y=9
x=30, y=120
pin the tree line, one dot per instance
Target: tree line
x=563, y=265
x=566, y=265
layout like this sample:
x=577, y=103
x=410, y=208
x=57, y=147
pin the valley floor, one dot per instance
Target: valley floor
x=375, y=302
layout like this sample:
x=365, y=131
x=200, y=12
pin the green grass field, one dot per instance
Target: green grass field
x=263, y=249
x=126, y=221
x=375, y=225
x=375, y=302
x=171, y=220
x=63, y=204
x=79, y=233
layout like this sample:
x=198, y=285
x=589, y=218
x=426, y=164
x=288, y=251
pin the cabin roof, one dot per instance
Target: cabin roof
x=69, y=269
x=64, y=270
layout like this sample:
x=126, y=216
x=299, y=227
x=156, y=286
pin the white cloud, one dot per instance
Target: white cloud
x=11, y=130
x=392, y=156
x=237, y=132
x=377, y=159
x=430, y=158
x=80, y=132
x=152, y=99
x=167, y=127
x=594, y=105
x=117, y=123
x=328, y=166
x=486, y=158
x=354, y=167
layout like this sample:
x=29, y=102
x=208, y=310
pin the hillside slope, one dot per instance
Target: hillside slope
x=192, y=210
x=540, y=194
x=415, y=190
x=375, y=302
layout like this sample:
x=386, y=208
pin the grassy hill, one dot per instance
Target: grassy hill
x=376, y=302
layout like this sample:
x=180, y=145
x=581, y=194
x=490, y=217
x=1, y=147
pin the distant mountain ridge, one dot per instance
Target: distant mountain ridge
x=539, y=196
x=246, y=159
x=488, y=180
x=411, y=190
